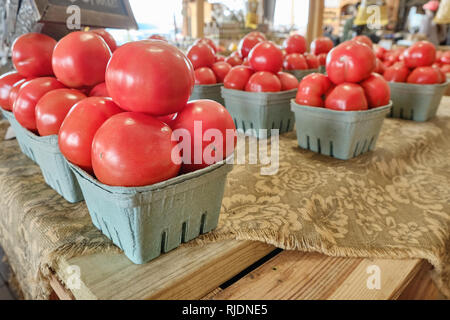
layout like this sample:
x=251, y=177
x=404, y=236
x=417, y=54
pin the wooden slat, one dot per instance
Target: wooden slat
x=61, y=292
x=422, y=287
x=184, y=273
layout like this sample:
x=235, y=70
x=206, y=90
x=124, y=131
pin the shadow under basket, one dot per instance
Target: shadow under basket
x=416, y=102
x=339, y=134
x=207, y=91
x=255, y=111
x=300, y=74
x=147, y=221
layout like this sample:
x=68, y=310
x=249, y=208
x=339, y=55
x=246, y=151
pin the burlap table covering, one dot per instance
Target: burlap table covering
x=391, y=203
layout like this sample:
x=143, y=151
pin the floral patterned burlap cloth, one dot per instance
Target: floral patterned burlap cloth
x=390, y=203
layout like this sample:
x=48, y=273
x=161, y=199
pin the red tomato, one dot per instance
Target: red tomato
x=237, y=78
x=351, y=61
x=221, y=70
x=109, y=39
x=7, y=81
x=258, y=34
x=205, y=76
x=380, y=67
x=80, y=59
x=220, y=58
x=347, y=97
x=377, y=91
x=445, y=58
x=364, y=39
x=201, y=55
x=396, y=73
x=169, y=119
x=247, y=43
x=322, y=59
x=312, y=90
x=139, y=155
x=210, y=115
x=207, y=41
x=245, y=62
x=442, y=76
x=424, y=75
x=157, y=37
x=150, y=76
x=295, y=44
x=29, y=94
x=420, y=54
x=99, y=90
x=53, y=107
x=263, y=81
x=266, y=56
x=79, y=127
x=445, y=68
x=295, y=61
x=380, y=53
x=312, y=61
x=321, y=45
x=234, y=60
x=288, y=81
x=32, y=54
x=14, y=93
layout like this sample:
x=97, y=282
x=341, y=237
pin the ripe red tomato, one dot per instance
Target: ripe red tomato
x=288, y=81
x=99, y=90
x=445, y=57
x=424, y=75
x=379, y=67
x=295, y=44
x=52, y=108
x=205, y=76
x=377, y=91
x=364, y=39
x=247, y=43
x=237, y=78
x=420, y=54
x=445, y=68
x=109, y=39
x=80, y=59
x=257, y=34
x=201, y=55
x=234, y=60
x=321, y=45
x=150, y=76
x=380, y=53
x=221, y=70
x=29, y=95
x=220, y=58
x=396, y=73
x=312, y=61
x=312, y=90
x=295, y=61
x=350, y=61
x=32, y=54
x=322, y=59
x=79, y=127
x=263, y=81
x=207, y=41
x=7, y=81
x=347, y=97
x=211, y=115
x=266, y=56
x=139, y=155
x=169, y=119
x=442, y=76
x=14, y=93
x=157, y=37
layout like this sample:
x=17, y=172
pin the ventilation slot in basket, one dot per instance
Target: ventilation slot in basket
x=202, y=223
x=319, y=149
x=288, y=125
x=355, y=153
x=331, y=149
x=183, y=232
x=308, y=145
x=163, y=242
x=412, y=114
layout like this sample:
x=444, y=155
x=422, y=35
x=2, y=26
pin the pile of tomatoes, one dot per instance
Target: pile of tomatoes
x=350, y=84
x=296, y=57
x=115, y=110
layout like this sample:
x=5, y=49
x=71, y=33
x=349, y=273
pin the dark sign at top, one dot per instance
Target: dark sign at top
x=103, y=6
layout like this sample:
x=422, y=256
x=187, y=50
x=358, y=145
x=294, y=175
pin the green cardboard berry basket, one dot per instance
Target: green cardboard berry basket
x=417, y=102
x=323, y=69
x=253, y=111
x=208, y=91
x=339, y=134
x=147, y=221
x=300, y=74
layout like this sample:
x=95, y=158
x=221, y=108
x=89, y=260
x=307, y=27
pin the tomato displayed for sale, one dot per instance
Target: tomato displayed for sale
x=380, y=53
x=351, y=61
x=220, y=58
x=396, y=73
x=245, y=62
x=445, y=57
x=288, y=81
x=347, y=97
x=208, y=42
x=139, y=155
x=445, y=68
x=53, y=107
x=14, y=93
x=201, y=55
x=99, y=90
x=221, y=70
x=150, y=76
x=157, y=37
x=258, y=34
x=364, y=39
x=205, y=150
x=247, y=43
x=109, y=39
x=322, y=59
x=237, y=78
x=377, y=91
x=205, y=76
x=295, y=44
x=295, y=61
x=29, y=94
x=424, y=75
x=7, y=81
x=420, y=54
x=234, y=60
x=379, y=67
x=79, y=127
x=80, y=59
x=312, y=90
x=169, y=119
x=321, y=45
x=266, y=56
x=32, y=54
x=263, y=81
x=312, y=61
x=442, y=76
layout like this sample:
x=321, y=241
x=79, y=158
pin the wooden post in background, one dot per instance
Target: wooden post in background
x=315, y=20
x=200, y=18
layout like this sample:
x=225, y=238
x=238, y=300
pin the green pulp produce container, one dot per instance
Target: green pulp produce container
x=323, y=69
x=416, y=102
x=207, y=91
x=147, y=221
x=300, y=74
x=339, y=134
x=253, y=111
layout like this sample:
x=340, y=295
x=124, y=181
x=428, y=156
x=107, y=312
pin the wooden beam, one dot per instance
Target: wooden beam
x=200, y=18
x=315, y=19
